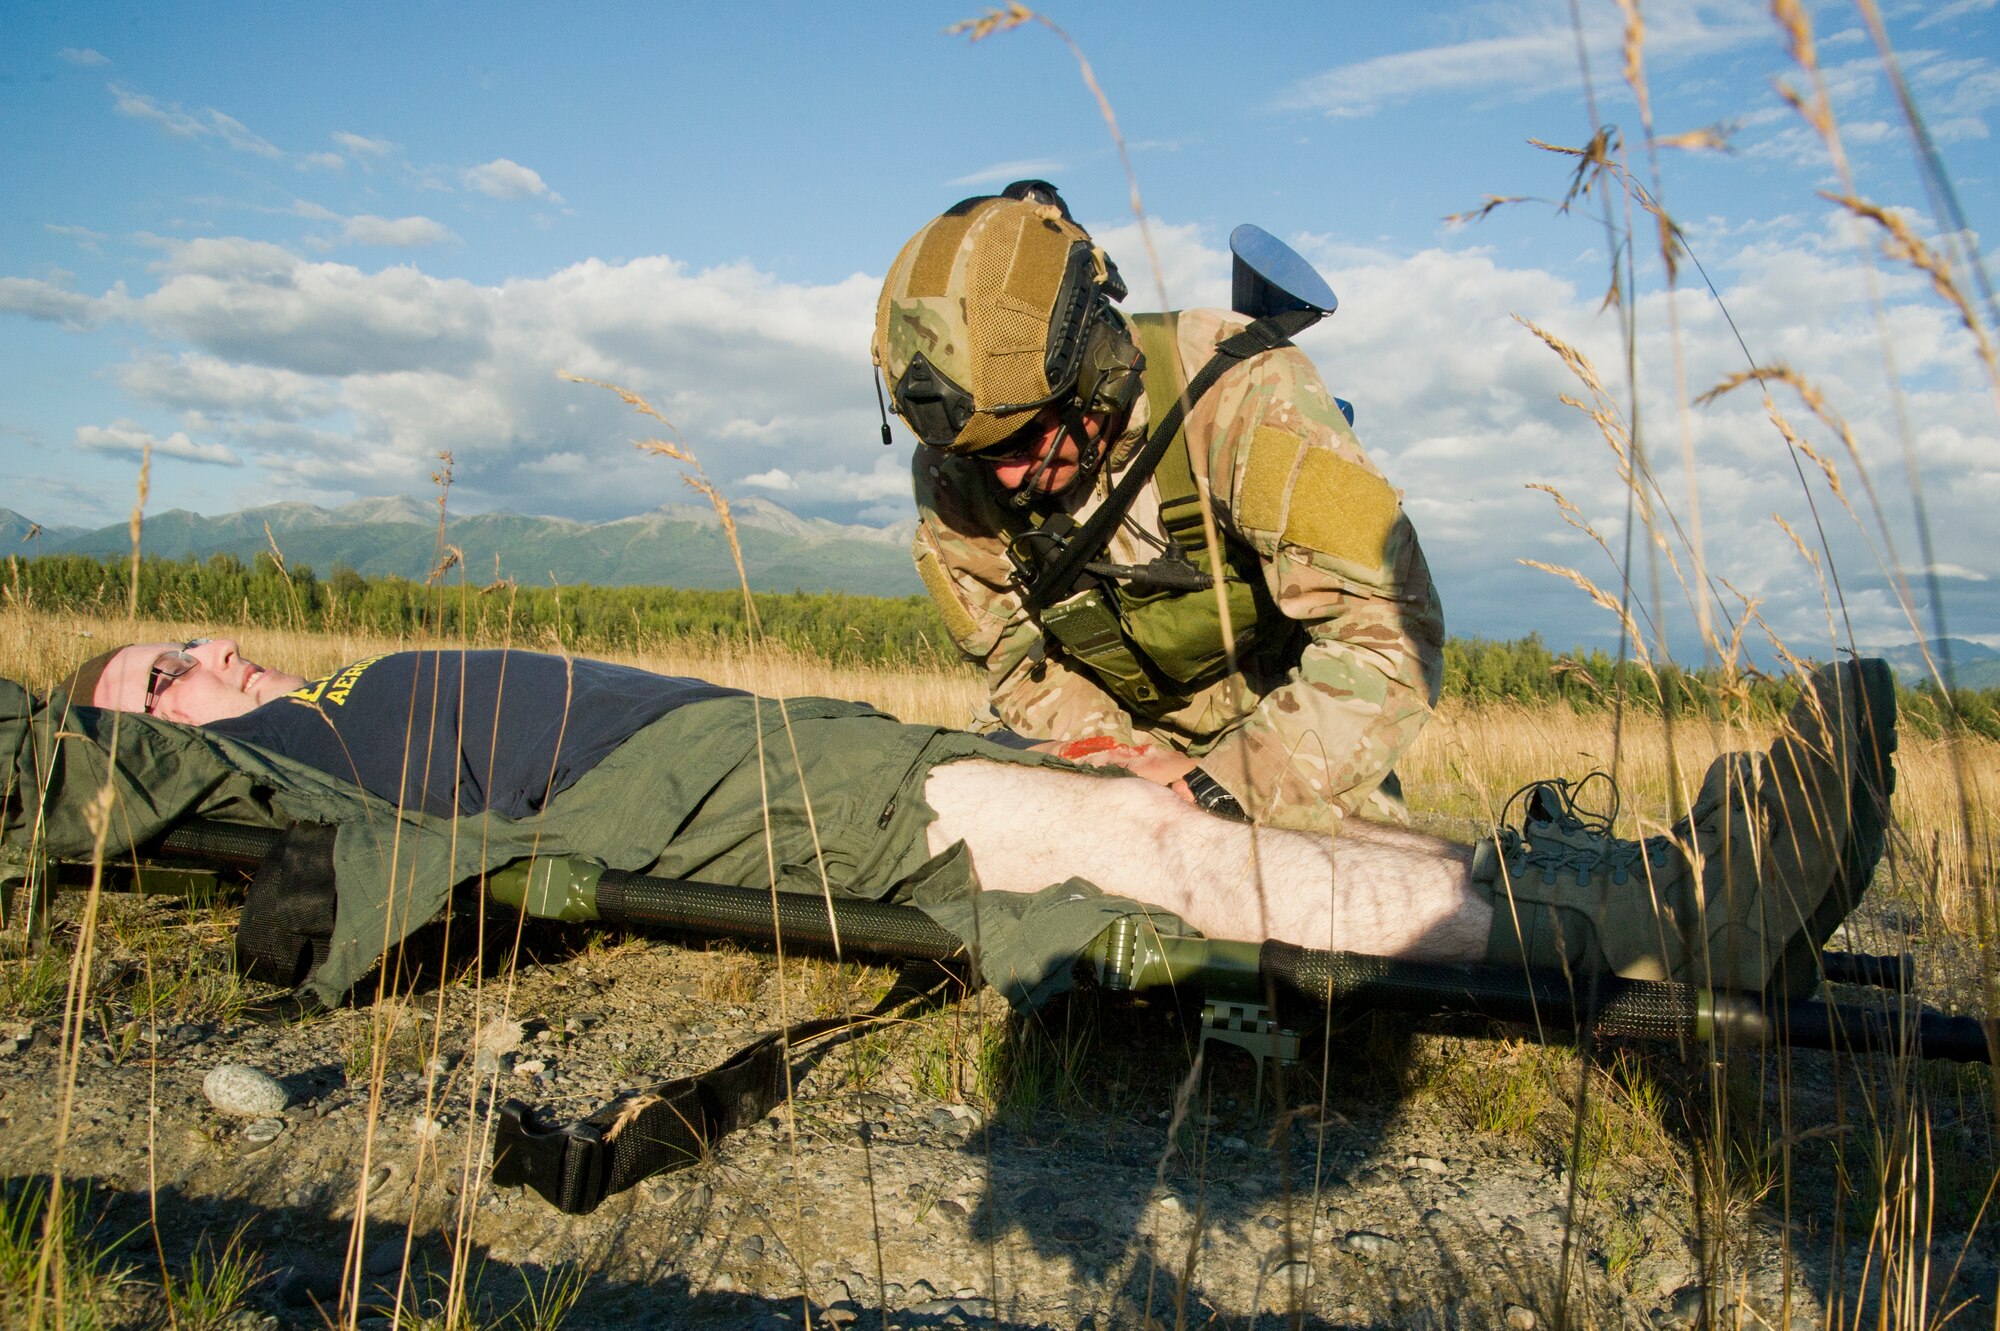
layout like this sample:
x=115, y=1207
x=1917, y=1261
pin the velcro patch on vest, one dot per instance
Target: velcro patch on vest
x=1267, y=478
x=958, y=620
x=1343, y=509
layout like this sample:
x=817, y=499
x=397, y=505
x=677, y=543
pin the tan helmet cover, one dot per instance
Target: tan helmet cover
x=978, y=292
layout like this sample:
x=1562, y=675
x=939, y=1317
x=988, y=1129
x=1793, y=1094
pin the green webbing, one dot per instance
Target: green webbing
x=1180, y=500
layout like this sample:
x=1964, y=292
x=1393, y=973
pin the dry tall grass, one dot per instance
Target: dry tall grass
x=1458, y=776
x=38, y=648
x=1471, y=757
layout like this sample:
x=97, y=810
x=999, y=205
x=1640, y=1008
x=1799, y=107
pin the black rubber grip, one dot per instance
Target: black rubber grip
x=1644, y=1008
x=1809, y=1023
x=799, y=918
x=1895, y=971
x=233, y=844
x=1538, y=997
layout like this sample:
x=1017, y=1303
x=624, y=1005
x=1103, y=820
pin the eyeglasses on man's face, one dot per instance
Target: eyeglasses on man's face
x=169, y=666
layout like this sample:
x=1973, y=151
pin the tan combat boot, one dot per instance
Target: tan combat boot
x=1743, y=892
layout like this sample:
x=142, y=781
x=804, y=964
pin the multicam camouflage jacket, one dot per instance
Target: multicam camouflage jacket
x=1317, y=718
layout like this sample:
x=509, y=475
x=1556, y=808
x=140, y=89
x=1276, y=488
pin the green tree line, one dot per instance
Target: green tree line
x=842, y=628
x=1524, y=670
x=225, y=589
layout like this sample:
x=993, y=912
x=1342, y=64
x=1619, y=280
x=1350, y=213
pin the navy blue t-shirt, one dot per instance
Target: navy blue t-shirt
x=453, y=732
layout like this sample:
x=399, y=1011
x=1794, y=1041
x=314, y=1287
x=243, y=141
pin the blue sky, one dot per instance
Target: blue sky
x=301, y=250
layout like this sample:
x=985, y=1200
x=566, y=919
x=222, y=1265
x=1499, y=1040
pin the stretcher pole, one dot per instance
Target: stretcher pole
x=1132, y=955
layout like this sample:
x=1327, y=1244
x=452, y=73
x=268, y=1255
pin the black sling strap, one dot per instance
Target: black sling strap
x=288, y=914
x=1058, y=578
x=666, y=1126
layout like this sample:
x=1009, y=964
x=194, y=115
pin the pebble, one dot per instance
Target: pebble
x=1367, y=1243
x=1074, y=1229
x=498, y=1036
x=1684, y=1307
x=485, y=1063
x=304, y=1289
x=244, y=1092
x=1286, y=1284
x=264, y=1129
x=1519, y=1318
x=531, y=1067
x=384, y=1257
x=1170, y=1204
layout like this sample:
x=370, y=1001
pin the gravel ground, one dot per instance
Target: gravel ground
x=1087, y=1204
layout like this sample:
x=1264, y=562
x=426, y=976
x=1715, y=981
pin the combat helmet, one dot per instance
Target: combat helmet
x=999, y=308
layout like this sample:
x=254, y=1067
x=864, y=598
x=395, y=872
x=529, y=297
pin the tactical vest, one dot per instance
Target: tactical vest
x=1155, y=647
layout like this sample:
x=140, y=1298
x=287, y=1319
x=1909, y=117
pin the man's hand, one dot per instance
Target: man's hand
x=1163, y=767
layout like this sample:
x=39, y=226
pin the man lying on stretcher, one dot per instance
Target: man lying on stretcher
x=1741, y=893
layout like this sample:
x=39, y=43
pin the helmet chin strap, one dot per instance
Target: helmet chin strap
x=1088, y=454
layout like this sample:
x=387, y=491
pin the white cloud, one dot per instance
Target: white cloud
x=1006, y=173
x=85, y=238
x=1953, y=9
x=888, y=480
x=397, y=232
x=255, y=302
x=208, y=383
x=49, y=303
x=322, y=162
x=83, y=55
x=359, y=145
x=128, y=439
x=505, y=179
x=1538, y=57
x=183, y=124
x=1194, y=272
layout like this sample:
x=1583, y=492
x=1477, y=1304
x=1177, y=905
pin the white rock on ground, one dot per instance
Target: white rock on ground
x=243, y=1092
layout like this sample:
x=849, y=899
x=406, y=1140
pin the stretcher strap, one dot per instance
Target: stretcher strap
x=664, y=1127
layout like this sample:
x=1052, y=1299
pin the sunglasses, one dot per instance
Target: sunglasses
x=167, y=667
x=1022, y=445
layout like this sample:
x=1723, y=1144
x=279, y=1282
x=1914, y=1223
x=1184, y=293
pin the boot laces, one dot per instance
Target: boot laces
x=1558, y=834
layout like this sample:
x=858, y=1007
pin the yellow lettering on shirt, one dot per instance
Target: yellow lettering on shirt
x=334, y=688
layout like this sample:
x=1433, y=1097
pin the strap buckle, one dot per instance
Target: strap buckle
x=569, y=1166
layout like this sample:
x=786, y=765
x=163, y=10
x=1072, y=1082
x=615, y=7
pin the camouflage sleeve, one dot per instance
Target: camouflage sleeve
x=1341, y=557
x=962, y=559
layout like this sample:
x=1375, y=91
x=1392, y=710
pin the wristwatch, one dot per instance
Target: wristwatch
x=1210, y=795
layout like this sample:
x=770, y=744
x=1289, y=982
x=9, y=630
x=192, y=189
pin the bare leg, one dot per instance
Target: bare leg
x=1379, y=890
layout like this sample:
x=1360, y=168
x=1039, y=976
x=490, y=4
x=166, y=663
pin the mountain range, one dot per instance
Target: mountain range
x=1972, y=666
x=680, y=545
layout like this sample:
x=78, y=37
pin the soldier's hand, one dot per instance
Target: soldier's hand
x=1164, y=767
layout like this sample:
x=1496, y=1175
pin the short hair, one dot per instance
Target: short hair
x=81, y=683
